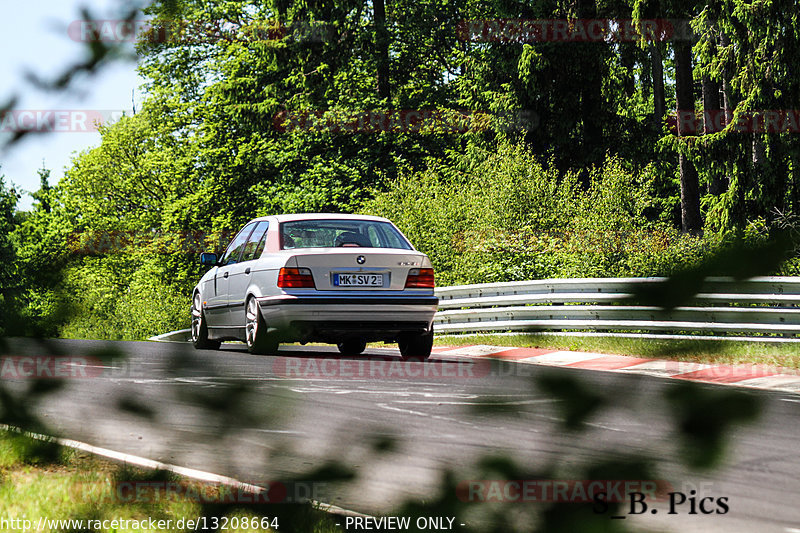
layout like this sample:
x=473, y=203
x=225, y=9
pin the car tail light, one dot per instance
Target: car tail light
x=295, y=278
x=420, y=278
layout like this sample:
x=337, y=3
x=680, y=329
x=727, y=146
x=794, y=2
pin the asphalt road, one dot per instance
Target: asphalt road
x=399, y=426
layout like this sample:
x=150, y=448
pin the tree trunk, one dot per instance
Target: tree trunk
x=591, y=115
x=759, y=151
x=794, y=192
x=591, y=88
x=728, y=99
x=627, y=59
x=711, y=106
x=713, y=122
x=691, y=222
x=382, y=50
x=659, y=101
x=646, y=74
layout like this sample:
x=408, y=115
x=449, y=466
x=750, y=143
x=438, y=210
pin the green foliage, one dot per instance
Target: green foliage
x=117, y=297
x=502, y=215
x=568, y=172
x=8, y=271
x=87, y=251
x=19, y=448
x=753, y=48
x=586, y=192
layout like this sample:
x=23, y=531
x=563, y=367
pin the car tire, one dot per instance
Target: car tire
x=199, y=329
x=417, y=346
x=352, y=346
x=257, y=337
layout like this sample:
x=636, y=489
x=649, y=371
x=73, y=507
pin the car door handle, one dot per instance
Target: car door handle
x=247, y=270
x=225, y=275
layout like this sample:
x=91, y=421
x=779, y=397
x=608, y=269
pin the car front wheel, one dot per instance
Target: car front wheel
x=259, y=340
x=416, y=346
x=200, y=338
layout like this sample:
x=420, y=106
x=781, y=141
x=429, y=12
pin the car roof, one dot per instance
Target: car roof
x=322, y=216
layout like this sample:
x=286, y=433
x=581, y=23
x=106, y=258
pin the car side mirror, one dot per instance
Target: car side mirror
x=208, y=259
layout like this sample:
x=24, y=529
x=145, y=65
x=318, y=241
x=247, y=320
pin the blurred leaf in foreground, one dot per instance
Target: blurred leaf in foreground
x=704, y=417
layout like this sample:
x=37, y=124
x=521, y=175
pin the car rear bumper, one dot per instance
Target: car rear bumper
x=329, y=318
x=360, y=299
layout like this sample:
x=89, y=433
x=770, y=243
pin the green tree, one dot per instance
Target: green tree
x=9, y=281
x=750, y=50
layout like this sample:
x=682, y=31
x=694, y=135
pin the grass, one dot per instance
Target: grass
x=729, y=352
x=44, y=480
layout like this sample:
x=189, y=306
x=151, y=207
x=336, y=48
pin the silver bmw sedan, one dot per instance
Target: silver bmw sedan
x=341, y=279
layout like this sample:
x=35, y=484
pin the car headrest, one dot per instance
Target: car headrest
x=350, y=237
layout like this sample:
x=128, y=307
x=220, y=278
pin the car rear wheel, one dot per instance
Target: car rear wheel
x=416, y=346
x=352, y=346
x=200, y=338
x=259, y=340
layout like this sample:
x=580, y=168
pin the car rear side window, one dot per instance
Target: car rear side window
x=255, y=244
x=237, y=244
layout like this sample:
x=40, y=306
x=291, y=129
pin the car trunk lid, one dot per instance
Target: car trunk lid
x=361, y=268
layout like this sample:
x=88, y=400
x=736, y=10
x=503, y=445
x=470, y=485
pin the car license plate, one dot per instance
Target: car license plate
x=358, y=280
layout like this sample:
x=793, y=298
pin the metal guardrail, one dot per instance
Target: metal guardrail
x=762, y=306
x=182, y=335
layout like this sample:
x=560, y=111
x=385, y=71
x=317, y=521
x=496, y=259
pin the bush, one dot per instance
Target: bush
x=118, y=298
x=504, y=216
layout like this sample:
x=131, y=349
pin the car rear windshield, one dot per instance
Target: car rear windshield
x=344, y=233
